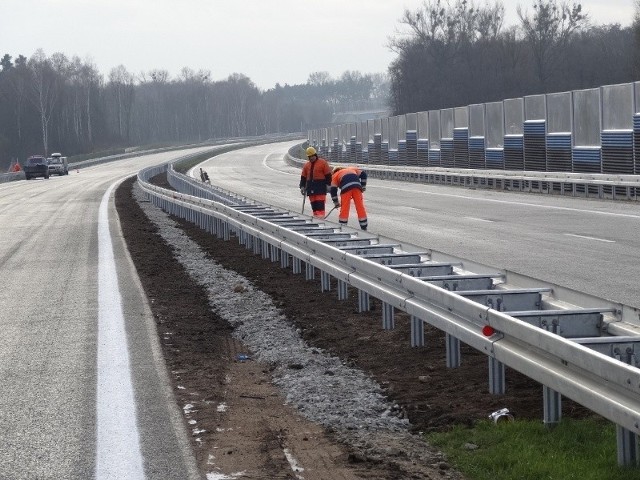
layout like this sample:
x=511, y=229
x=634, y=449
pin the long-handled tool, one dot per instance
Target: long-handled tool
x=304, y=195
x=325, y=217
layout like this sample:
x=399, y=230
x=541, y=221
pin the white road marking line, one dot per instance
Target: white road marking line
x=118, y=452
x=264, y=163
x=549, y=207
x=590, y=238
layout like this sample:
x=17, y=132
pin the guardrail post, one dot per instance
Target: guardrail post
x=242, y=238
x=265, y=249
x=343, y=292
x=552, y=403
x=257, y=246
x=628, y=447
x=496, y=377
x=325, y=282
x=417, y=332
x=284, y=259
x=310, y=271
x=363, y=301
x=274, y=253
x=297, y=265
x=225, y=229
x=452, y=351
x=388, y=316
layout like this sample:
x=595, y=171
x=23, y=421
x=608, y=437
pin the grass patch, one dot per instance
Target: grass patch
x=527, y=450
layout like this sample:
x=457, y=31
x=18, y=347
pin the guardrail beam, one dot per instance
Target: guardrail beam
x=566, y=323
x=507, y=300
x=424, y=269
x=572, y=368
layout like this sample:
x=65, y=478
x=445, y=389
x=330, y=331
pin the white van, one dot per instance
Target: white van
x=58, y=165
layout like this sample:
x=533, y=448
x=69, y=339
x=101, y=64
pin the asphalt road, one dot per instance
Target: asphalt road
x=587, y=245
x=85, y=392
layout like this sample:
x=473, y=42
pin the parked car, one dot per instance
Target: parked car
x=36, y=166
x=58, y=165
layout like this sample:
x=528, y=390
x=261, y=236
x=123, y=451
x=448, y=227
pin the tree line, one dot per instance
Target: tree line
x=458, y=53
x=455, y=53
x=55, y=103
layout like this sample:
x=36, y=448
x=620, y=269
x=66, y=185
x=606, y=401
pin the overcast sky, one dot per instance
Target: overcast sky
x=270, y=41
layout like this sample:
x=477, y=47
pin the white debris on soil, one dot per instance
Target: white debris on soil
x=319, y=385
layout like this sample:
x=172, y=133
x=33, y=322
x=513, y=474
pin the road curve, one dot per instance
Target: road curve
x=588, y=245
x=66, y=411
x=85, y=392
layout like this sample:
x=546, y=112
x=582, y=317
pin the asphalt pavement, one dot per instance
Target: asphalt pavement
x=71, y=406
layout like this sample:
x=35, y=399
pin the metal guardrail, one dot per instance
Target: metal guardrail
x=524, y=333
x=589, y=130
x=589, y=185
x=10, y=177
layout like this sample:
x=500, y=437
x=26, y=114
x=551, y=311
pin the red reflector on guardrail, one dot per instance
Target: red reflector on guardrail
x=488, y=330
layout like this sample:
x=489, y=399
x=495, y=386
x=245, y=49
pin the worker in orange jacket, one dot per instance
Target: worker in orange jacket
x=315, y=180
x=352, y=182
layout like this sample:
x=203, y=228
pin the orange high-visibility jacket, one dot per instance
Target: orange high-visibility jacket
x=346, y=179
x=315, y=177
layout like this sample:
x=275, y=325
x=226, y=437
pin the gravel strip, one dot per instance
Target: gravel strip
x=319, y=385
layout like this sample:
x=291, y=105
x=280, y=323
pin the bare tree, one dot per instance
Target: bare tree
x=44, y=92
x=13, y=92
x=445, y=28
x=319, y=78
x=441, y=59
x=122, y=83
x=88, y=80
x=548, y=30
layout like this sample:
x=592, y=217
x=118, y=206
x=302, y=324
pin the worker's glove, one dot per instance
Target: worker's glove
x=303, y=191
x=364, y=189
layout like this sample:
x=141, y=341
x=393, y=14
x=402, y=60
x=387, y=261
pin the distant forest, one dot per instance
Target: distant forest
x=57, y=104
x=451, y=53
x=458, y=53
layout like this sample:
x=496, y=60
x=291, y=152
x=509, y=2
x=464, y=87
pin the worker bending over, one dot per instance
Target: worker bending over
x=352, y=182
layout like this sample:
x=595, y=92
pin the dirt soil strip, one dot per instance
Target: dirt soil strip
x=260, y=437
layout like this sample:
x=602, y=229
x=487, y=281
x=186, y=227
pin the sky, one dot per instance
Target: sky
x=270, y=41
